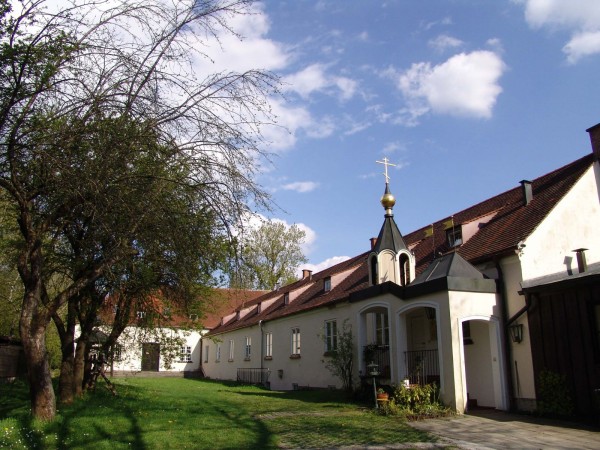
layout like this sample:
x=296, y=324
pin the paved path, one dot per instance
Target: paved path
x=489, y=429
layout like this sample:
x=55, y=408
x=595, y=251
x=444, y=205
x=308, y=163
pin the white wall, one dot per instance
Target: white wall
x=572, y=224
x=131, y=356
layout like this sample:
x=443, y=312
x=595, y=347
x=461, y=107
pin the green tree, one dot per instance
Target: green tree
x=99, y=110
x=341, y=360
x=270, y=256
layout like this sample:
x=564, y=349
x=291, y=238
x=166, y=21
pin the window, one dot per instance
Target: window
x=286, y=298
x=295, y=341
x=117, y=352
x=141, y=314
x=231, y=348
x=454, y=236
x=193, y=316
x=327, y=284
x=382, y=336
x=268, y=345
x=248, y=348
x=331, y=336
x=185, y=354
x=218, y=352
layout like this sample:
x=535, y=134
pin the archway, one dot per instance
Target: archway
x=483, y=375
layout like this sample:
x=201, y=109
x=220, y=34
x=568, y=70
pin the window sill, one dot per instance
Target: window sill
x=268, y=358
x=246, y=359
x=295, y=356
x=330, y=353
x=230, y=360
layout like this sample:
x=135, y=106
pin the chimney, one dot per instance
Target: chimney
x=594, y=133
x=581, y=262
x=373, y=243
x=527, y=191
x=306, y=274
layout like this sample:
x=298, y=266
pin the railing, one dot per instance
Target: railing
x=380, y=355
x=422, y=366
x=253, y=375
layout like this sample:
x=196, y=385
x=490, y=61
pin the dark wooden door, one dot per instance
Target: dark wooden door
x=150, y=356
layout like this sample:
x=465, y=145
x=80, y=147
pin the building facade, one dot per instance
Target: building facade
x=462, y=302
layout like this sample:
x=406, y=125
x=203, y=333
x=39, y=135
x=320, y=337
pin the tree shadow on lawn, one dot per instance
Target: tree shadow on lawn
x=313, y=395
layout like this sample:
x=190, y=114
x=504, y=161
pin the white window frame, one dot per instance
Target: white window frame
x=248, y=348
x=331, y=335
x=218, y=353
x=268, y=345
x=231, y=349
x=296, y=341
x=382, y=329
x=185, y=354
x=327, y=284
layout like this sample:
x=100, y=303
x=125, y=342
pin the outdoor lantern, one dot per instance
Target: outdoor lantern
x=516, y=332
x=372, y=369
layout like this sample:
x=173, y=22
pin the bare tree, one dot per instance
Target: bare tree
x=122, y=69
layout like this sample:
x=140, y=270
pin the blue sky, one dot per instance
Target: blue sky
x=467, y=97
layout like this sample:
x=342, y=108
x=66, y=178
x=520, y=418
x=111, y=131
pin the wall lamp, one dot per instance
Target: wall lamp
x=516, y=332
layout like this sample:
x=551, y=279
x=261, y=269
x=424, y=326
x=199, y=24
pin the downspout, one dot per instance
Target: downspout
x=507, y=346
x=260, y=326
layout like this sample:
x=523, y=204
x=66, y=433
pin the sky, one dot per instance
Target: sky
x=465, y=97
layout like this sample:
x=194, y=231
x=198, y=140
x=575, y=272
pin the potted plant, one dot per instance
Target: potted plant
x=382, y=395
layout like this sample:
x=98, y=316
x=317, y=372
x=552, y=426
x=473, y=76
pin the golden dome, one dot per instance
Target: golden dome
x=388, y=200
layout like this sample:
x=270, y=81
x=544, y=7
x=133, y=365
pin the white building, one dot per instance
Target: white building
x=463, y=302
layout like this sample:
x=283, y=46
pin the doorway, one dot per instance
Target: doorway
x=150, y=356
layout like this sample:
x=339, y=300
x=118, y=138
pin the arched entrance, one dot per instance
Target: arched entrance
x=482, y=364
x=419, y=358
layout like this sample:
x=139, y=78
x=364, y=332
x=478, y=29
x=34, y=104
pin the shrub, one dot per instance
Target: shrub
x=554, y=395
x=415, y=402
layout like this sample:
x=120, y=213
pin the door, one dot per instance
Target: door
x=150, y=357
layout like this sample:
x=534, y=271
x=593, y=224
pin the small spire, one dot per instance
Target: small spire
x=387, y=200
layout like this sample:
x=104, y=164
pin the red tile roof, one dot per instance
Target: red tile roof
x=507, y=221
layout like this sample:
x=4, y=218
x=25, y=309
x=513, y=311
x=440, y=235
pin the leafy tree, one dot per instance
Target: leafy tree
x=101, y=114
x=270, y=255
x=341, y=361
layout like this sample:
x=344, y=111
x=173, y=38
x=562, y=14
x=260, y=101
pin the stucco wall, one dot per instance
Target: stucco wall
x=572, y=224
x=131, y=356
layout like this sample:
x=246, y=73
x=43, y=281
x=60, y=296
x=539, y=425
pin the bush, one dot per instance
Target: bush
x=554, y=395
x=415, y=402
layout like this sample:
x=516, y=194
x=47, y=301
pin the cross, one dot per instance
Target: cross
x=386, y=163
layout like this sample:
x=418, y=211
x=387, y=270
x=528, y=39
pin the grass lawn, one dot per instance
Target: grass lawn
x=163, y=413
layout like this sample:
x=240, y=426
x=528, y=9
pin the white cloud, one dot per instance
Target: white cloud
x=315, y=78
x=323, y=265
x=465, y=85
x=579, y=17
x=582, y=44
x=444, y=42
x=301, y=186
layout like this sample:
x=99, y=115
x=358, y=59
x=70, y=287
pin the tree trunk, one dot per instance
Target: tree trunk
x=66, y=380
x=79, y=373
x=33, y=336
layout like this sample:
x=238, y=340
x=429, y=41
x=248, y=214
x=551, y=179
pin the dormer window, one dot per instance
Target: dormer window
x=141, y=314
x=193, y=316
x=327, y=284
x=454, y=236
x=286, y=298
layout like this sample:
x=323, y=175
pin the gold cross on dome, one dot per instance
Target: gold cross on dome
x=386, y=162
